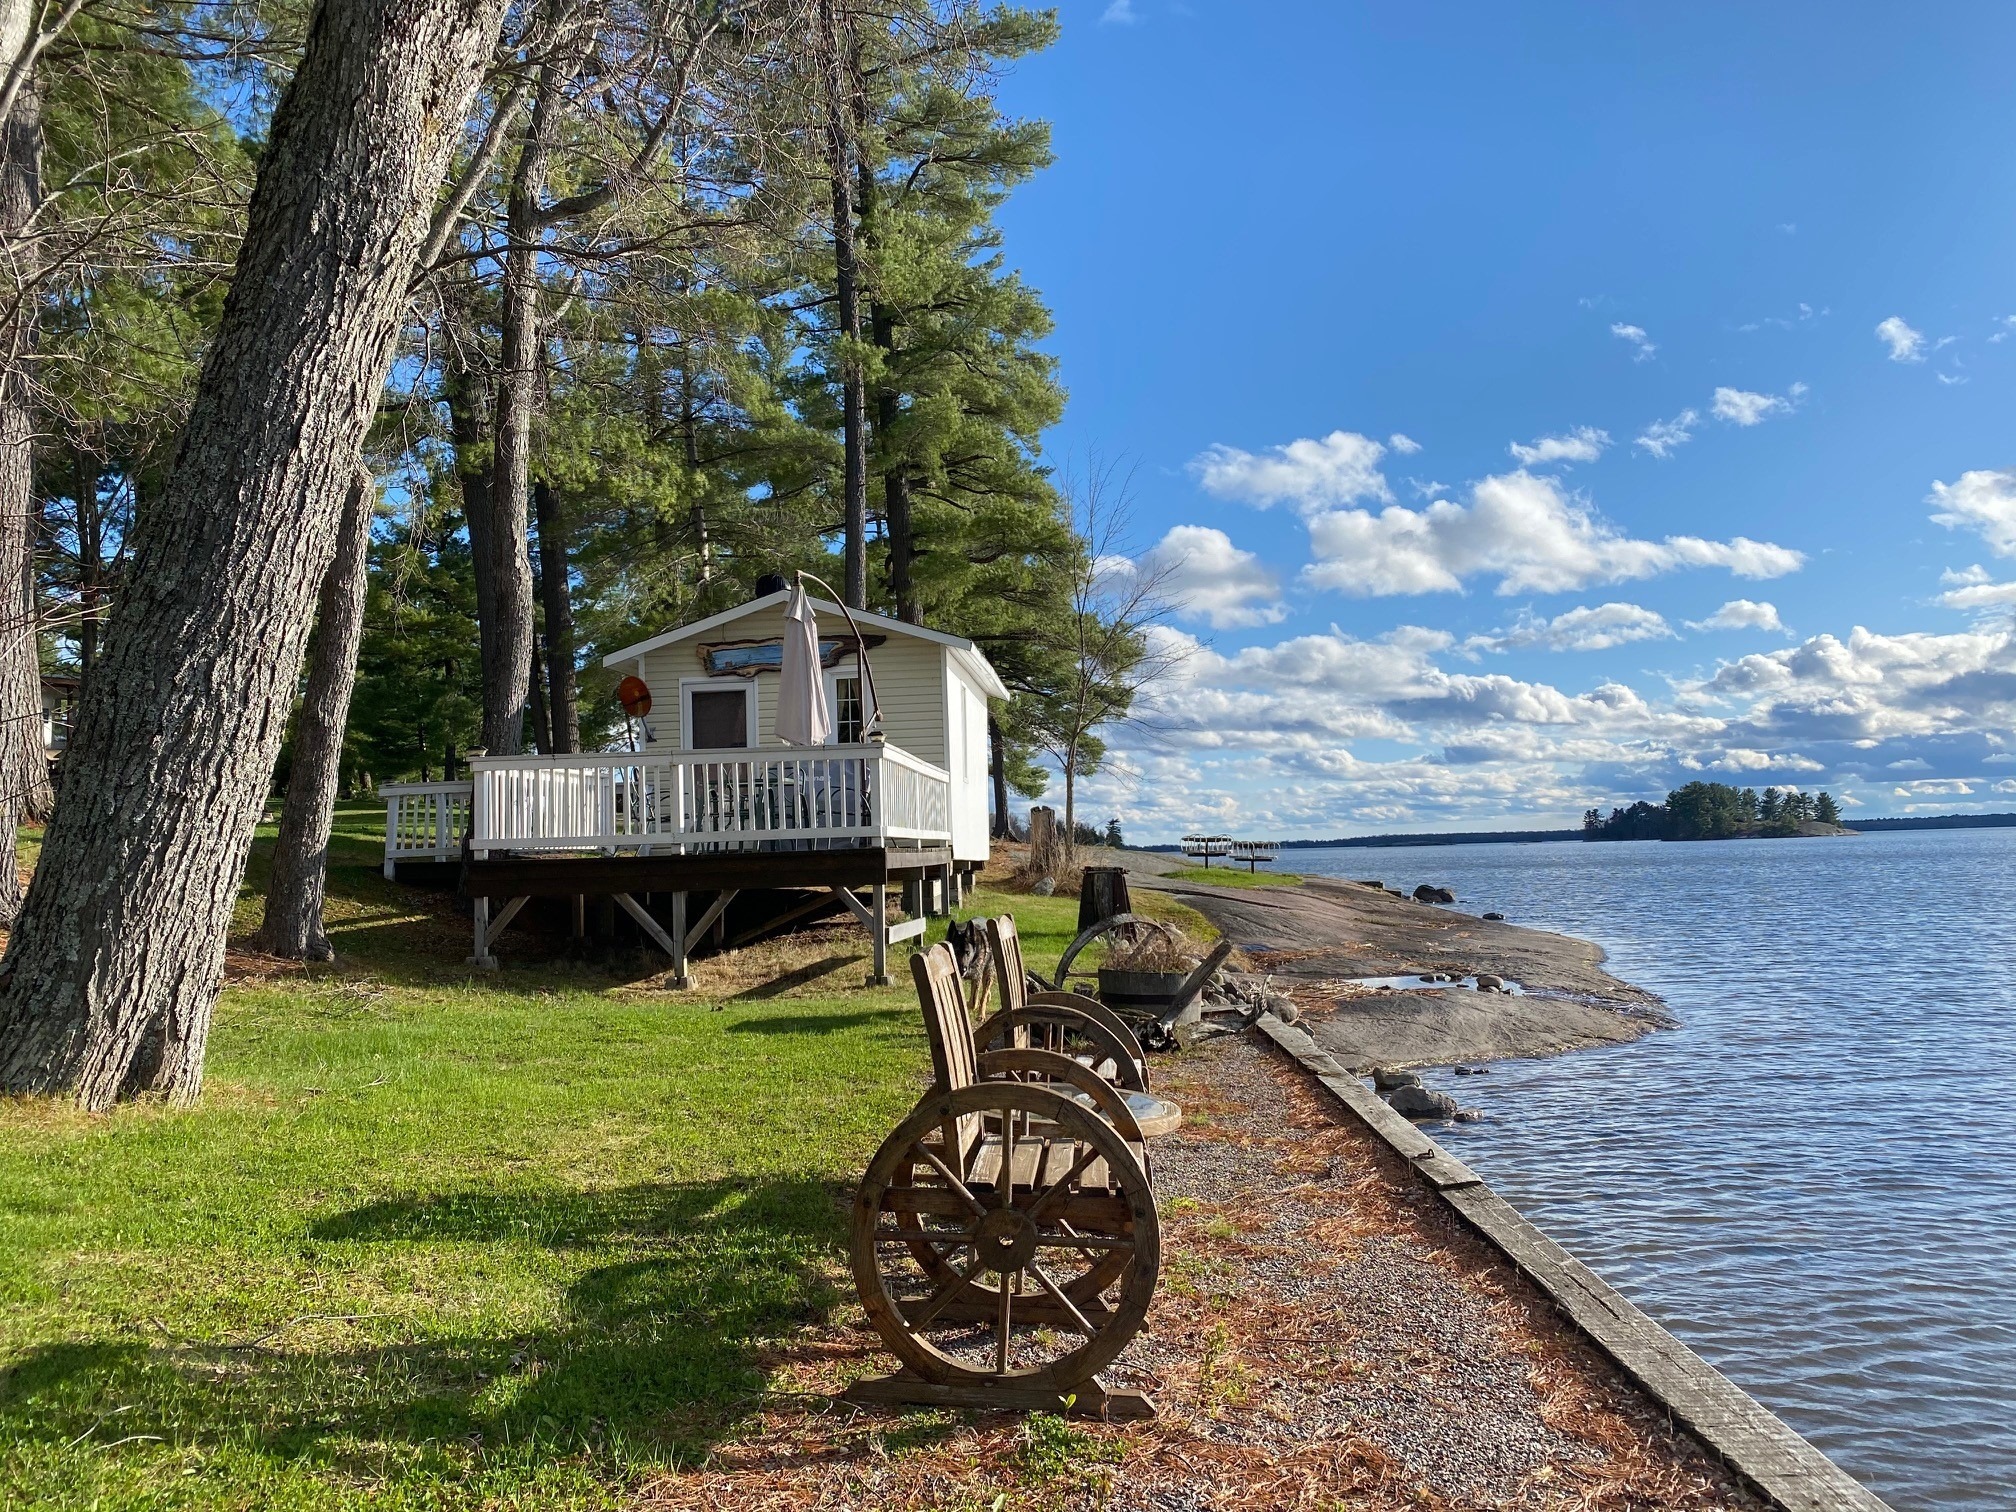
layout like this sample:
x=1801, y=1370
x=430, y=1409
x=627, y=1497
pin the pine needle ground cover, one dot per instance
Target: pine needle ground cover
x=438, y=1238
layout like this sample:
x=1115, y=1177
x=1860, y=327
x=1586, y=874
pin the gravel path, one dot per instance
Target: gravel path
x=1325, y=1335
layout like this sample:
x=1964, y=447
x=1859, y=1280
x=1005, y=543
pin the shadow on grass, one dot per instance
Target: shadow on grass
x=805, y=975
x=822, y=1023
x=648, y=1359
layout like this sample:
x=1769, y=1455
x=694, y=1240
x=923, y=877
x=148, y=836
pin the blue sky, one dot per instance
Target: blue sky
x=1539, y=406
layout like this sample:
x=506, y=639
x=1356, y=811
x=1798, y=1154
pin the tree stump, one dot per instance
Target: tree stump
x=1102, y=894
x=1045, y=854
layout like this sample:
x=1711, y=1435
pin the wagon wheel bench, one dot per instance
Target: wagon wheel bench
x=1005, y=1241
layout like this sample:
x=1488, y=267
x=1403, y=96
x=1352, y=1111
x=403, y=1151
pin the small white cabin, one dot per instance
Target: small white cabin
x=713, y=687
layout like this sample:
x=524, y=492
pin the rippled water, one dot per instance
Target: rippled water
x=1813, y=1180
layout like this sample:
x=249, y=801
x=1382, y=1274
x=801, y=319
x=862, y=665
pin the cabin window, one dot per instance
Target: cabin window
x=848, y=717
x=718, y=718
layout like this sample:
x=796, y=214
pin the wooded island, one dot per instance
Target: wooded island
x=1717, y=811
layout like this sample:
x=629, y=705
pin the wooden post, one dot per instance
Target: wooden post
x=482, y=959
x=1102, y=894
x=580, y=916
x=681, y=977
x=880, y=908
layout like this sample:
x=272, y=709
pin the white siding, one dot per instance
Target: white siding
x=907, y=680
x=966, y=734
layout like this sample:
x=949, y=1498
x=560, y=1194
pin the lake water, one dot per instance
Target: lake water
x=1813, y=1180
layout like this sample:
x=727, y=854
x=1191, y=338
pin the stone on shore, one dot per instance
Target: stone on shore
x=1420, y=1102
x=1391, y=1081
x=1429, y=893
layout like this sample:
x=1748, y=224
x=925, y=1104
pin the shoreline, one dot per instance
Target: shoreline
x=1322, y=935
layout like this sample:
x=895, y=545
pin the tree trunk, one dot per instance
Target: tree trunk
x=24, y=768
x=294, y=892
x=997, y=768
x=507, y=636
x=112, y=970
x=535, y=704
x=556, y=589
x=854, y=396
x=896, y=529
x=1070, y=841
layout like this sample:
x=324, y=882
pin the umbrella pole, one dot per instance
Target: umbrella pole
x=873, y=728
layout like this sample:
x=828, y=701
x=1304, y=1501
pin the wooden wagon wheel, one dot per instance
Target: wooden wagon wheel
x=1053, y=1030
x=1038, y=1068
x=1010, y=1299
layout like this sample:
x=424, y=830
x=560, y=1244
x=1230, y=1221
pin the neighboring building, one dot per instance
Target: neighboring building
x=59, y=707
x=714, y=687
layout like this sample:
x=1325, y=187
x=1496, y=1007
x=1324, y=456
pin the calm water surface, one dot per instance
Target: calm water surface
x=1813, y=1180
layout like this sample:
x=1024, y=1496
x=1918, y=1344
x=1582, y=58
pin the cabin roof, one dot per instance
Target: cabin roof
x=963, y=651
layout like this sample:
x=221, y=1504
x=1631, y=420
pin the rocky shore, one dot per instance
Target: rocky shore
x=1460, y=988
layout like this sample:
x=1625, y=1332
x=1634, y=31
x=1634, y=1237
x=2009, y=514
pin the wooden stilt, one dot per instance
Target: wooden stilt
x=880, y=931
x=580, y=916
x=482, y=959
x=673, y=944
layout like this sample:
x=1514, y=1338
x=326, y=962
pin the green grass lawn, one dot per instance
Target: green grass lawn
x=435, y=1238
x=1228, y=876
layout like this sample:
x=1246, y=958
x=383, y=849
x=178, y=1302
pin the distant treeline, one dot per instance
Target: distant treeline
x=1936, y=821
x=1535, y=837
x=1460, y=837
x=1714, y=811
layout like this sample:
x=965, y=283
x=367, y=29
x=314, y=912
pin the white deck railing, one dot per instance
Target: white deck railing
x=670, y=802
x=424, y=821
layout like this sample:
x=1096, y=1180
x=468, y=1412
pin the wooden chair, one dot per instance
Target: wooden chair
x=1066, y=1022
x=1005, y=1240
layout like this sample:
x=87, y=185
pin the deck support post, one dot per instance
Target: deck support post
x=580, y=916
x=958, y=886
x=482, y=960
x=673, y=944
x=880, y=931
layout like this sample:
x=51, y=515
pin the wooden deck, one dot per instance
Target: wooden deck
x=834, y=820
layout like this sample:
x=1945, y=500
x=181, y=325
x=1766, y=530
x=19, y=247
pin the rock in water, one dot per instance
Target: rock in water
x=1426, y=893
x=1419, y=1102
x=1485, y=979
x=1390, y=1081
x=1495, y=918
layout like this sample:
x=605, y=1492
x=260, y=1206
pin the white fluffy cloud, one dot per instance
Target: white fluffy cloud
x=1403, y=445
x=1906, y=345
x=1984, y=501
x=1662, y=436
x=1742, y=614
x=1341, y=468
x=1642, y=346
x=1522, y=529
x=1206, y=577
x=1119, y=13
x=1592, y=627
x=1742, y=407
x=1325, y=734
x=1583, y=444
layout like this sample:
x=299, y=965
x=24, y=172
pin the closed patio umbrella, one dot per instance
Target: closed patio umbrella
x=802, y=716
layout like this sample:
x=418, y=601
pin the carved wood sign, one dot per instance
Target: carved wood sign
x=747, y=658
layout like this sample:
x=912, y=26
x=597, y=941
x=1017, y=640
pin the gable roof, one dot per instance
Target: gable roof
x=963, y=651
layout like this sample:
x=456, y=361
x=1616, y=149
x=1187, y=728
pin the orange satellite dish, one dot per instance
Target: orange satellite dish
x=634, y=696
